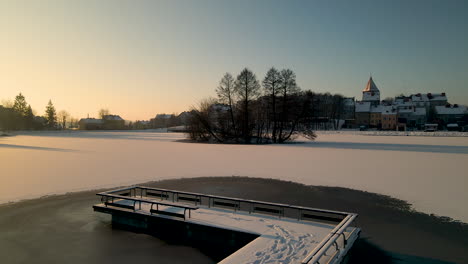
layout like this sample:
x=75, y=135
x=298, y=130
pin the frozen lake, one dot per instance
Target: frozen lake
x=429, y=172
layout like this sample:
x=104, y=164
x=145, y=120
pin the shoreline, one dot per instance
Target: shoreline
x=399, y=203
x=417, y=133
x=388, y=223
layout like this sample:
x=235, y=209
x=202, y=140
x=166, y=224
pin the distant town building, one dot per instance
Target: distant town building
x=417, y=118
x=113, y=122
x=363, y=113
x=429, y=99
x=389, y=117
x=371, y=93
x=110, y=122
x=163, y=120
x=90, y=124
x=163, y=116
x=451, y=113
x=376, y=116
x=404, y=112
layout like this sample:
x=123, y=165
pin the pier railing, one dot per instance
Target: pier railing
x=343, y=220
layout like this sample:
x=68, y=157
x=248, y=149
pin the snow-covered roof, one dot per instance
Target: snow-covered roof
x=163, y=116
x=451, y=110
x=388, y=110
x=420, y=111
x=91, y=121
x=112, y=117
x=362, y=107
x=376, y=109
x=429, y=97
x=403, y=102
x=406, y=109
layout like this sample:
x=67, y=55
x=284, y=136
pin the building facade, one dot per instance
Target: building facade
x=406, y=112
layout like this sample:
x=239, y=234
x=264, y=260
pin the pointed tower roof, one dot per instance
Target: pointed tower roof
x=371, y=87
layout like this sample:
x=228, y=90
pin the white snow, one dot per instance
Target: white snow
x=451, y=110
x=429, y=172
x=280, y=241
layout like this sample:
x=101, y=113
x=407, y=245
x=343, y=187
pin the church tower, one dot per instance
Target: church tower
x=371, y=93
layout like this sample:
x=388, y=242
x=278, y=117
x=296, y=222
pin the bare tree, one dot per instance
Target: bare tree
x=73, y=122
x=200, y=124
x=7, y=103
x=62, y=118
x=336, y=113
x=288, y=87
x=226, y=95
x=271, y=86
x=103, y=112
x=247, y=89
x=283, y=102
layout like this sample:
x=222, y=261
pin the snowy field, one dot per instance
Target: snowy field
x=429, y=172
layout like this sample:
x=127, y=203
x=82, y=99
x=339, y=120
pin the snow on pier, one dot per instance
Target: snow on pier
x=285, y=233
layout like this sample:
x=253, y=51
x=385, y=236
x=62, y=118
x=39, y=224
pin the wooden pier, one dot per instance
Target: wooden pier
x=245, y=231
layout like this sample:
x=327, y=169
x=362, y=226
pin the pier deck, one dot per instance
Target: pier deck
x=284, y=233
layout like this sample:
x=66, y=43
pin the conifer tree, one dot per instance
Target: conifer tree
x=51, y=116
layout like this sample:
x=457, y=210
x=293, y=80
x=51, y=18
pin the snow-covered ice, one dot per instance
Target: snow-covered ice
x=429, y=172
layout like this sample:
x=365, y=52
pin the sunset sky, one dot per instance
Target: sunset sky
x=140, y=58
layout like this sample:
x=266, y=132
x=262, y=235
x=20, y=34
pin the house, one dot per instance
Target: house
x=403, y=112
x=107, y=122
x=163, y=120
x=429, y=99
x=375, y=116
x=113, y=122
x=451, y=113
x=362, y=113
x=389, y=117
x=417, y=118
x=90, y=124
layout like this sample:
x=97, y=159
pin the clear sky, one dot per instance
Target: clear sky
x=139, y=58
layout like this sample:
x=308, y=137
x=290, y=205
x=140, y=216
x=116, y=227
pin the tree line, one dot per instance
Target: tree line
x=19, y=116
x=273, y=110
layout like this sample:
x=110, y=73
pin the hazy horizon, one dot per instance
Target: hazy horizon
x=140, y=58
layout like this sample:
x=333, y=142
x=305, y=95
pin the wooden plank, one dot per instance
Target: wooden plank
x=126, y=206
x=154, y=211
x=320, y=217
x=157, y=195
